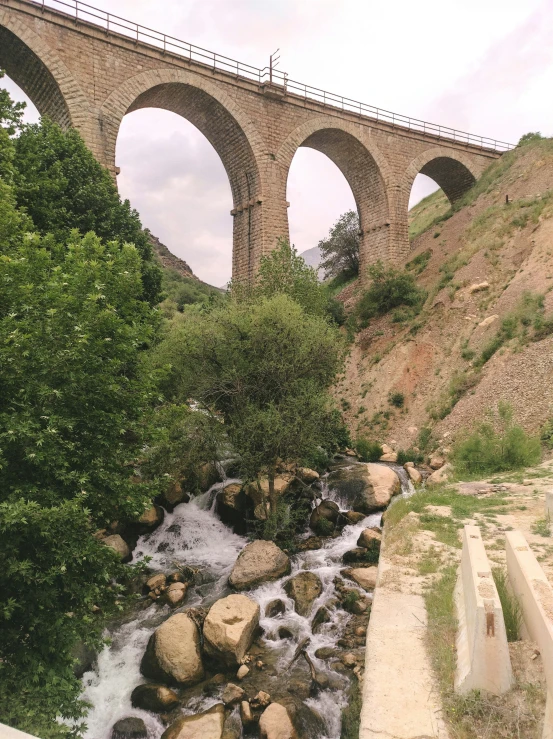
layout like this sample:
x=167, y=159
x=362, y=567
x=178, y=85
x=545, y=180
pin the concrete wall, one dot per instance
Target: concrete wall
x=483, y=661
x=82, y=76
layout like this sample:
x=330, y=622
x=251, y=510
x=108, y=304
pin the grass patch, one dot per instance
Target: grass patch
x=429, y=212
x=390, y=288
x=542, y=527
x=368, y=451
x=430, y=562
x=511, y=607
x=460, y=384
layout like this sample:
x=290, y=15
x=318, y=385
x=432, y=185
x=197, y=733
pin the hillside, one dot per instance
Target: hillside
x=470, y=347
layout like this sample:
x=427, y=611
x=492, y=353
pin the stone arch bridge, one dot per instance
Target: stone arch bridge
x=88, y=69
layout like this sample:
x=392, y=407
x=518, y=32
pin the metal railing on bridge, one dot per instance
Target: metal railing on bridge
x=81, y=11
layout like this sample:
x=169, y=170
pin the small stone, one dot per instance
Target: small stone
x=156, y=581
x=360, y=631
x=154, y=697
x=284, y=633
x=359, y=607
x=232, y=694
x=129, y=728
x=119, y=545
x=349, y=660
x=242, y=672
x=274, y=608
x=246, y=714
x=261, y=700
x=176, y=592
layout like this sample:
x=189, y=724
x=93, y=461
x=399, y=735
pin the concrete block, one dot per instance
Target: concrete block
x=483, y=661
x=535, y=594
x=6, y=732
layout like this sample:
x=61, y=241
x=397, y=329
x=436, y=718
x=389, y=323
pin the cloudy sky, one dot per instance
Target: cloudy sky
x=484, y=66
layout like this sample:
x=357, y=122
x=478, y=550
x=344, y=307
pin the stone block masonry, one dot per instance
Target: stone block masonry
x=84, y=76
x=483, y=661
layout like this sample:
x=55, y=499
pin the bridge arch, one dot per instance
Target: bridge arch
x=365, y=170
x=34, y=67
x=225, y=126
x=452, y=170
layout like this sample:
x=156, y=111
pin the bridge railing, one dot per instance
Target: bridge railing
x=141, y=34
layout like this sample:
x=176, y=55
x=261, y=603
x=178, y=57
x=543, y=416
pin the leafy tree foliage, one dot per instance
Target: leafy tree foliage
x=266, y=366
x=62, y=187
x=340, y=251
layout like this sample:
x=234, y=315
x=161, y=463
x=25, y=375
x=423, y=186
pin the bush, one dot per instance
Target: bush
x=409, y=455
x=425, y=438
x=368, y=451
x=547, y=434
x=323, y=527
x=487, y=451
x=281, y=526
x=390, y=288
x=396, y=399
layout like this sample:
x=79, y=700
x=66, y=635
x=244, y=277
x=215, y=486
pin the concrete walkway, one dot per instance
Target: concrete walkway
x=400, y=699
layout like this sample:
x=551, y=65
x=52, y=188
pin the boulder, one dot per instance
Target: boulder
x=478, y=287
x=154, y=697
x=129, y=728
x=306, y=475
x=230, y=496
x=359, y=555
x=436, y=462
x=387, y=449
x=274, y=608
x=173, y=496
x=243, y=670
x=208, y=475
x=305, y=720
x=246, y=714
x=119, y=545
x=390, y=457
x=206, y=725
x=275, y=723
x=321, y=617
x=173, y=652
x=353, y=517
x=368, y=487
x=414, y=475
x=261, y=511
x=304, y=589
x=151, y=518
x=260, y=561
x=489, y=320
x=439, y=476
x=176, y=592
x=232, y=728
x=229, y=628
x=232, y=507
x=370, y=539
x=232, y=694
x=260, y=700
x=365, y=577
x=282, y=483
x=311, y=543
x=323, y=518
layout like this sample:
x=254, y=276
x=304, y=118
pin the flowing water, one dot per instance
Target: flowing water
x=193, y=535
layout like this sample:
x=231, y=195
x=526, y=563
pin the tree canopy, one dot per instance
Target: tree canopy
x=340, y=251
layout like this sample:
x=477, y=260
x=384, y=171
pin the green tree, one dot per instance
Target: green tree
x=62, y=187
x=264, y=366
x=340, y=251
x=11, y=121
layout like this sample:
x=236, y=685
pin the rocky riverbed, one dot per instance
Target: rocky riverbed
x=237, y=638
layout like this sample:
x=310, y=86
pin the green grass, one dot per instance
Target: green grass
x=542, y=527
x=351, y=715
x=509, y=603
x=427, y=213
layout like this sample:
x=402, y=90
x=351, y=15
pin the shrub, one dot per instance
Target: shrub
x=425, y=438
x=351, y=598
x=368, y=451
x=390, y=288
x=547, y=434
x=396, y=399
x=486, y=451
x=323, y=527
x=409, y=455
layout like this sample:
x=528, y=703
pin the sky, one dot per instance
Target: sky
x=484, y=66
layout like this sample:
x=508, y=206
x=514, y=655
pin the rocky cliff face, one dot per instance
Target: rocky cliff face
x=485, y=333
x=169, y=260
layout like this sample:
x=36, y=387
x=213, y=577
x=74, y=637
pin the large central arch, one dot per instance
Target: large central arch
x=229, y=131
x=365, y=170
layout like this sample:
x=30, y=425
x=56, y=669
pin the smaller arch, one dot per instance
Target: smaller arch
x=452, y=170
x=34, y=67
x=364, y=168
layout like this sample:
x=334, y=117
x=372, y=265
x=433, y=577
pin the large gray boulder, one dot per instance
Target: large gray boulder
x=367, y=487
x=154, y=697
x=173, y=652
x=260, y=561
x=206, y=725
x=304, y=589
x=275, y=723
x=229, y=628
